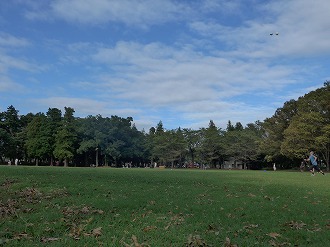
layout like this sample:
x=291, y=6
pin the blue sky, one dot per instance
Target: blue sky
x=184, y=62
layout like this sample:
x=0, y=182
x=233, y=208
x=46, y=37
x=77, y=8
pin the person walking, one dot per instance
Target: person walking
x=302, y=166
x=313, y=159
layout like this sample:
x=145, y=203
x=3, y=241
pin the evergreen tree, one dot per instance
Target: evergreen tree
x=211, y=148
x=66, y=137
x=38, y=143
x=10, y=127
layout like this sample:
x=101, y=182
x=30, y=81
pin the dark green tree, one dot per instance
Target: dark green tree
x=170, y=147
x=230, y=126
x=10, y=127
x=242, y=144
x=66, y=137
x=274, y=128
x=38, y=143
x=54, y=118
x=193, y=142
x=92, y=134
x=309, y=128
x=211, y=148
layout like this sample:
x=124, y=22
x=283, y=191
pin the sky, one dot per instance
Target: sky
x=182, y=62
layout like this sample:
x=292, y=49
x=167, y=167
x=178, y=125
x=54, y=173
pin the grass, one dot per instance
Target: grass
x=56, y=206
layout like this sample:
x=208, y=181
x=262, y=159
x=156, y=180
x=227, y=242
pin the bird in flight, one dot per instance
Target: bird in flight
x=273, y=33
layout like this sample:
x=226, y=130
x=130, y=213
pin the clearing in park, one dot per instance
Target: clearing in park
x=56, y=206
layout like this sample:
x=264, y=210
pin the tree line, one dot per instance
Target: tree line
x=60, y=138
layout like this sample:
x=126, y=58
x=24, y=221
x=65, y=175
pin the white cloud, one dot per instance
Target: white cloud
x=172, y=76
x=9, y=46
x=7, y=40
x=7, y=85
x=130, y=12
x=10, y=62
x=84, y=106
x=135, y=13
x=302, y=25
x=187, y=84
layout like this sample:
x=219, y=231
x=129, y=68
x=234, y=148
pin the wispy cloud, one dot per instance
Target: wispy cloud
x=7, y=40
x=7, y=85
x=84, y=106
x=135, y=13
x=130, y=12
x=302, y=27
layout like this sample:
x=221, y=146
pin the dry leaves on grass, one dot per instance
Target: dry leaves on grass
x=275, y=244
x=95, y=232
x=76, y=221
x=273, y=235
x=214, y=229
x=152, y=203
x=195, y=241
x=8, y=182
x=16, y=236
x=145, y=214
x=149, y=228
x=295, y=225
x=8, y=208
x=57, y=193
x=70, y=211
x=134, y=243
x=22, y=235
x=268, y=198
x=228, y=243
x=251, y=226
x=47, y=240
x=31, y=195
x=176, y=219
x=77, y=228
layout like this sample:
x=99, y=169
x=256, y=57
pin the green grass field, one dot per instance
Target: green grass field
x=56, y=206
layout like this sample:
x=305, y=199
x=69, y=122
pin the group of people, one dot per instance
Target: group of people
x=16, y=162
x=313, y=160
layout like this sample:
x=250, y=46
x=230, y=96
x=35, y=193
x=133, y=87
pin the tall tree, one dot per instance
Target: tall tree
x=274, y=128
x=230, y=126
x=193, y=142
x=160, y=127
x=91, y=133
x=170, y=146
x=66, y=137
x=242, y=144
x=38, y=143
x=211, y=148
x=10, y=127
x=54, y=117
x=309, y=128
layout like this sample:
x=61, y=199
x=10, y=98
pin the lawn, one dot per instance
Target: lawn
x=56, y=206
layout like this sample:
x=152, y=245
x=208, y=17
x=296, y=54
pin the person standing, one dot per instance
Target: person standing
x=313, y=159
x=302, y=165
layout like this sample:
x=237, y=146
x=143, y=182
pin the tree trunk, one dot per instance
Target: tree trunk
x=105, y=160
x=65, y=162
x=97, y=158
